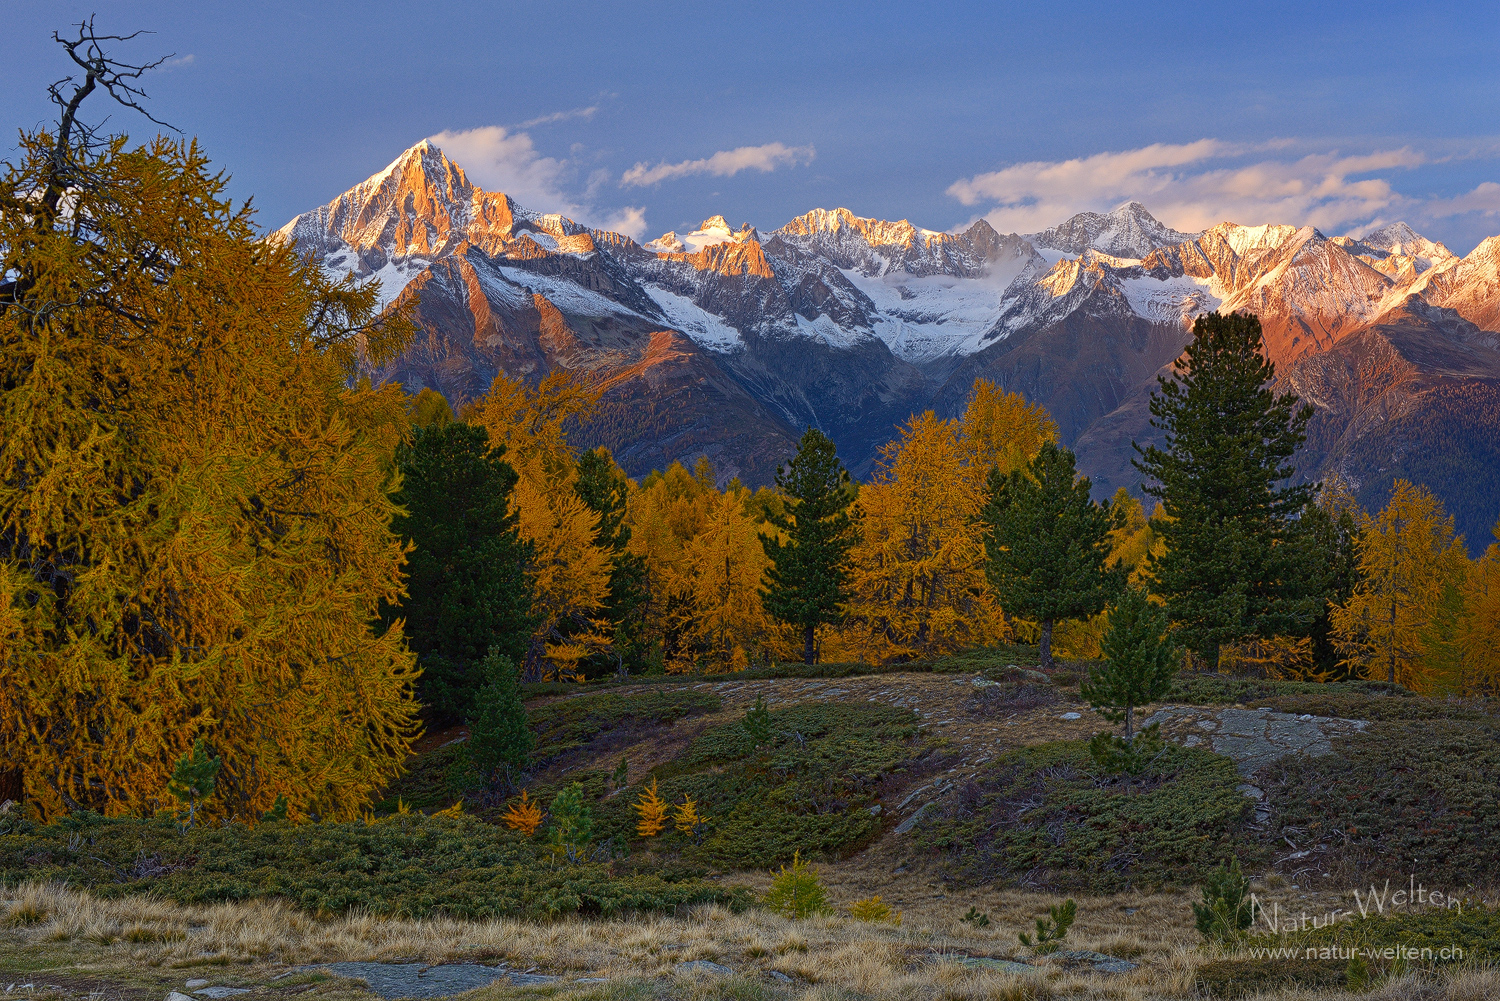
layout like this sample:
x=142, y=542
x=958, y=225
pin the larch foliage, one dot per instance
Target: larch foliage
x=652, y=810
x=194, y=502
x=725, y=564
x=1480, y=636
x=570, y=571
x=917, y=582
x=1408, y=558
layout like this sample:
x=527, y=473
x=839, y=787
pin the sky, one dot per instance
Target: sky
x=652, y=117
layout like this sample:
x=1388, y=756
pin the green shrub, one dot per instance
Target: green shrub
x=976, y=918
x=1419, y=797
x=1227, y=910
x=1044, y=815
x=1247, y=978
x=1472, y=928
x=409, y=866
x=796, y=892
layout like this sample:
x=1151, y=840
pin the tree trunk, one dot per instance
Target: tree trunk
x=1046, y=644
x=1211, y=657
x=809, y=651
x=12, y=785
x=1129, y=736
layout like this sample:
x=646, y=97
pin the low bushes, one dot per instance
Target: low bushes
x=1404, y=797
x=809, y=788
x=1048, y=816
x=407, y=866
x=1218, y=689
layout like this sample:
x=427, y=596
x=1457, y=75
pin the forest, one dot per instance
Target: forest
x=215, y=537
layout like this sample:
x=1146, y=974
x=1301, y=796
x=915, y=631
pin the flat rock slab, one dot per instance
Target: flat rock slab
x=1253, y=738
x=1003, y=965
x=418, y=980
x=1098, y=961
x=704, y=966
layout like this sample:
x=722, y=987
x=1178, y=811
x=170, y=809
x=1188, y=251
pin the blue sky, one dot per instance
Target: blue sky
x=650, y=117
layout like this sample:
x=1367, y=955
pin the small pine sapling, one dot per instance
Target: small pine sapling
x=277, y=812
x=1227, y=909
x=621, y=775
x=757, y=722
x=976, y=918
x=1139, y=660
x=572, y=824
x=653, y=811
x=796, y=891
x=524, y=815
x=192, y=779
x=1052, y=929
x=499, y=741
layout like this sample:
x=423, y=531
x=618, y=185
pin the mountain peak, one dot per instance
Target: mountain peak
x=1127, y=231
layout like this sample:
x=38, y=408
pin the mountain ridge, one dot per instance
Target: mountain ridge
x=852, y=323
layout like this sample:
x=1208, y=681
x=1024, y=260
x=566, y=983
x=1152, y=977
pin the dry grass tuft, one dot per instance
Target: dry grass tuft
x=828, y=958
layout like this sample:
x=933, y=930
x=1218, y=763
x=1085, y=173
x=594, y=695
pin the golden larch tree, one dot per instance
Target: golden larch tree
x=1408, y=558
x=194, y=503
x=569, y=569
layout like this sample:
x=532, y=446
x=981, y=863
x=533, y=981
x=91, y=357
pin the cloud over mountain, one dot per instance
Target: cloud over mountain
x=725, y=163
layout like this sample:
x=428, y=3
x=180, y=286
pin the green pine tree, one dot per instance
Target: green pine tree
x=1236, y=564
x=467, y=587
x=1139, y=660
x=809, y=575
x=1047, y=544
x=499, y=742
x=193, y=779
x=603, y=486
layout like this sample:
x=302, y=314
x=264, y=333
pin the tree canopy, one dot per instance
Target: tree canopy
x=194, y=501
x=1048, y=544
x=808, y=580
x=1234, y=562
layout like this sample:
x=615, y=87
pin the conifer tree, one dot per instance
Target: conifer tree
x=1139, y=660
x=499, y=742
x=809, y=576
x=467, y=588
x=1048, y=543
x=1236, y=562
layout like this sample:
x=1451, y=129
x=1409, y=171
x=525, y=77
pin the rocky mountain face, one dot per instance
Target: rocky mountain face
x=725, y=342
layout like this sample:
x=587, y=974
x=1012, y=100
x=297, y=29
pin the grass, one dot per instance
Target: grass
x=254, y=943
x=566, y=724
x=1047, y=816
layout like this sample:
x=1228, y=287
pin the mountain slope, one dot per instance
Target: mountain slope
x=725, y=341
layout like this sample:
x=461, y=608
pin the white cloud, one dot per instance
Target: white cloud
x=1484, y=199
x=497, y=159
x=561, y=116
x=180, y=61
x=725, y=163
x=1195, y=185
x=630, y=220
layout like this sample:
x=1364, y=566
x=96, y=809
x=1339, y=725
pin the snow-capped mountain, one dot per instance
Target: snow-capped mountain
x=724, y=341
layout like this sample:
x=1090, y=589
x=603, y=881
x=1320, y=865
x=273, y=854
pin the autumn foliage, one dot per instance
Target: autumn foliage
x=194, y=502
